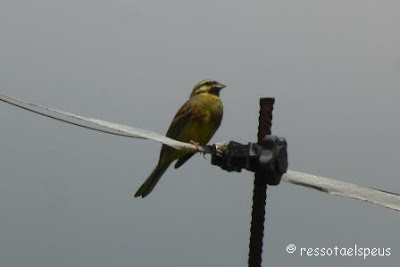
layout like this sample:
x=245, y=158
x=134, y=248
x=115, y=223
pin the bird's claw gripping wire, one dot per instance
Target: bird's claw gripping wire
x=197, y=145
x=199, y=148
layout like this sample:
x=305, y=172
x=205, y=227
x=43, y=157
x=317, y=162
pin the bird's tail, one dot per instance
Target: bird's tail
x=151, y=182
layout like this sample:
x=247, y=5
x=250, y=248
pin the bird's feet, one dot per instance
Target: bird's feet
x=198, y=147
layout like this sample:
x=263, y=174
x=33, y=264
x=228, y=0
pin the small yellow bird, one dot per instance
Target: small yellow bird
x=196, y=121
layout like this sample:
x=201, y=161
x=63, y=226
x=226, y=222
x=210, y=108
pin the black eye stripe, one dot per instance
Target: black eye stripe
x=205, y=86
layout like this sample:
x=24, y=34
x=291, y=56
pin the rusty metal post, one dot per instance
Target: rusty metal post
x=260, y=189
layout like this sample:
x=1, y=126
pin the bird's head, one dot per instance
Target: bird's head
x=207, y=86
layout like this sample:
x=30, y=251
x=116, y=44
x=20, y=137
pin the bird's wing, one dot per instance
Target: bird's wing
x=96, y=124
x=181, y=119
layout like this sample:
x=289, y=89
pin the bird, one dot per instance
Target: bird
x=195, y=122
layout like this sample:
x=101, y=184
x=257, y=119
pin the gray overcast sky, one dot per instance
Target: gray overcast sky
x=66, y=193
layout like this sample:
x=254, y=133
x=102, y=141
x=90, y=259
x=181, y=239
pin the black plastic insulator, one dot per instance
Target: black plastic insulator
x=269, y=158
x=237, y=157
x=273, y=162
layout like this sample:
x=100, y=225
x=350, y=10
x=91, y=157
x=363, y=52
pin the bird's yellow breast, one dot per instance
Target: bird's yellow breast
x=205, y=118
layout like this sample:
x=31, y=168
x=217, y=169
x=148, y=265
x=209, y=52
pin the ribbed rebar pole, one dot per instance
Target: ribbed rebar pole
x=260, y=189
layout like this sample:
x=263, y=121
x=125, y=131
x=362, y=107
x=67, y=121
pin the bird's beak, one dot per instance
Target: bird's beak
x=221, y=86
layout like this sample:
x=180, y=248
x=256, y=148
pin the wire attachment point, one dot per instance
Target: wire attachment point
x=267, y=158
